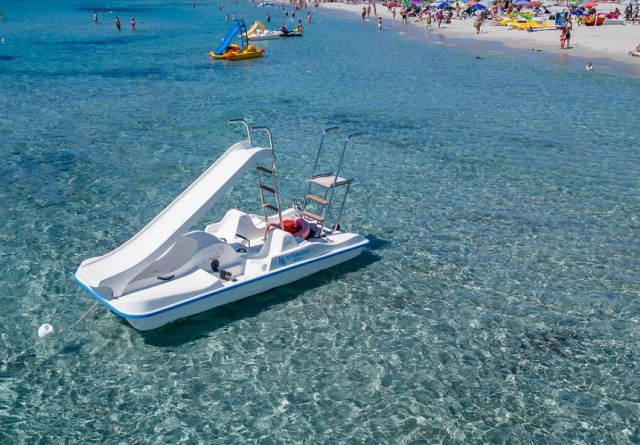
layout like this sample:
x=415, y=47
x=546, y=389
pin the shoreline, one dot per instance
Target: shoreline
x=606, y=46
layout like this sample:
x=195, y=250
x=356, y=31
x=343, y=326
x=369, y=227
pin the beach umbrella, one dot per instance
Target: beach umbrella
x=521, y=3
x=443, y=5
x=548, y=4
x=471, y=2
x=628, y=2
x=589, y=4
x=478, y=6
x=533, y=4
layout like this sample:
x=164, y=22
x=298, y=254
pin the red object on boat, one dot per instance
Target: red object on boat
x=297, y=227
x=594, y=20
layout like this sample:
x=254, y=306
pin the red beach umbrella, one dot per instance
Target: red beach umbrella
x=533, y=4
x=589, y=4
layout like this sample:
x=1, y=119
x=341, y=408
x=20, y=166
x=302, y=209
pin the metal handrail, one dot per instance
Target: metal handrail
x=273, y=170
x=246, y=125
x=335, y=180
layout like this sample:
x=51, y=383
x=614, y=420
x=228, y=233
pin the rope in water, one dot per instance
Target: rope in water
x=50, y=331
x=95, y=303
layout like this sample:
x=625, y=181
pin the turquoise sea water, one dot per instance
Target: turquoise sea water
x=498, y=303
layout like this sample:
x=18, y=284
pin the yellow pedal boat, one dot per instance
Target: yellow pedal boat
x=234, y=52
x=230, y=51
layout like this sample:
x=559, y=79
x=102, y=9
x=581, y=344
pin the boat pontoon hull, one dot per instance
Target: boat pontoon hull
x=166, y=271
x=233, y=292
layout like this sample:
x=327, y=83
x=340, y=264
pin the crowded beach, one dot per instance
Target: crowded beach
x=588, y=29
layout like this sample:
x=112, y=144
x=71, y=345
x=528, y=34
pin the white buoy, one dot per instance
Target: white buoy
x=46, y=330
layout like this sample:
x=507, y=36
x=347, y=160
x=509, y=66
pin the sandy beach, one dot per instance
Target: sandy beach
x=587, y=42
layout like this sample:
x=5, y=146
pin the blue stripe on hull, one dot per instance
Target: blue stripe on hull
x=132, y=317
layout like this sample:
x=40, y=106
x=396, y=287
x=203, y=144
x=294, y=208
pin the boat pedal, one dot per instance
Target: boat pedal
x=226, y=275
x=167, y=278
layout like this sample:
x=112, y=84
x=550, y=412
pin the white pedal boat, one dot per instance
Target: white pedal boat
x=166, y=272
x=260, y=32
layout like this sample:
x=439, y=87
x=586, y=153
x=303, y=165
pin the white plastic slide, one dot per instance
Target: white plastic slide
x=118, y=267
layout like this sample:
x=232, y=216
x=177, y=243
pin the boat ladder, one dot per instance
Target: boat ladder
x=267, y=183
x=317, y=202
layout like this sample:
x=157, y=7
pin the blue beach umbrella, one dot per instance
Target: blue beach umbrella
x=443, y=5
x=478, y=6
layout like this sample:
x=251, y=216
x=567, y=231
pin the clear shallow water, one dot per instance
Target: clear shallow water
x=498, y=302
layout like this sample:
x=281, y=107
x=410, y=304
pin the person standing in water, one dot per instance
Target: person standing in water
x=95, y=17
x=118, y=25
x=133, y=24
